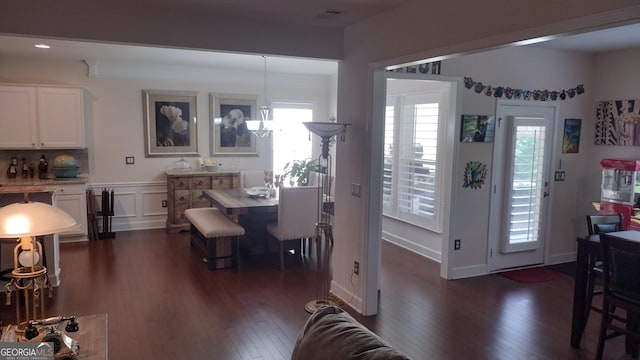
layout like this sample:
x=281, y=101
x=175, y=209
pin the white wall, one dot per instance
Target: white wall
x=517, y=67
x=520, y=68
x=115, y=121
x=422, y=31
x=416, y=31
x=617, y=76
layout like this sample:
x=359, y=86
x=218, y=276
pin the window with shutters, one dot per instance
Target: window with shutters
x=411, y=159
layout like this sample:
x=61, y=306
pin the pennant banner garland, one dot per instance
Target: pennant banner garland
x=521, y=94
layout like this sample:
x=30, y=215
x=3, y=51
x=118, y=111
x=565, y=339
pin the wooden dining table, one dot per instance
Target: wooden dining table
x=236, y=202
x=588, y=251
x=253, y=213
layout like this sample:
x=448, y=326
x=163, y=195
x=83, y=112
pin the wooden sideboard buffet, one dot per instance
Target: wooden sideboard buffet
x=184, y=191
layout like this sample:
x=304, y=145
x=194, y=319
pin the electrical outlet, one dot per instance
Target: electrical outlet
x=356, y=268
x=164, y=203
x=129, y=160
x=456, y=244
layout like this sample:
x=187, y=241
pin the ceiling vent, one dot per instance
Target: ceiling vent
x=330, y=14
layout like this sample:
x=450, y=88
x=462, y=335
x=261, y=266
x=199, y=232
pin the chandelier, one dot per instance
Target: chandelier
x=264, y=126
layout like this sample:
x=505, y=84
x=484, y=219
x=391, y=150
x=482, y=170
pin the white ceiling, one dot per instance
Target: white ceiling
x=618, y=38
x=593, y=42
x=77, y=50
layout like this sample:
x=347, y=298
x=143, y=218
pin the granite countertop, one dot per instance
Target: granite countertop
x=6, y=184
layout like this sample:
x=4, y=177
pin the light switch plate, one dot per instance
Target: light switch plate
x=355, y=189
x=129, y=160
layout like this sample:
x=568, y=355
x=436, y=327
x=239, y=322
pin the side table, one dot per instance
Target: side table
x=91, y=336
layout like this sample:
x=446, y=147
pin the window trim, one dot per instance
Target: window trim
x=441, y=96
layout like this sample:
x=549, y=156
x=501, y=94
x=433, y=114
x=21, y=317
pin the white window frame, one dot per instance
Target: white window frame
x=391, y=208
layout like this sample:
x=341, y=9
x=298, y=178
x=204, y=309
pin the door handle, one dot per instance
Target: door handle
x=545, y=194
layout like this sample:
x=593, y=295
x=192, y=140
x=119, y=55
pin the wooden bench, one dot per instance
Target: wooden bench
x=215, y=236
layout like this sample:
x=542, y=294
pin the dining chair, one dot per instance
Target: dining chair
x=328, y=184
x=621, y=276
x=251, y=178
x=297, y=216
x=320, y=179
x=598, y=224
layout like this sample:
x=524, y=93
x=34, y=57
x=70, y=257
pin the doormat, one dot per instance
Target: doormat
x=533, y=275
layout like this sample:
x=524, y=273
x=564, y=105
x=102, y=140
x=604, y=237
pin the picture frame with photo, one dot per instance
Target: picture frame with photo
x=477, y=128
x=571, y=136
x=229, y=133
x=170, y=123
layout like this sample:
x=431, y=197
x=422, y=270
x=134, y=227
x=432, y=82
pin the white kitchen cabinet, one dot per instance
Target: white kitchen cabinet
x=72, y=199
x=19, y=117
x=41, y=117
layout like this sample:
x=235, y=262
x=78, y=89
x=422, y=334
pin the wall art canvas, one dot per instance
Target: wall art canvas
x=474, y=174
x=477, y=128
x=170, y=123
x=618, y=122
x=230, y=135
x=571, y=137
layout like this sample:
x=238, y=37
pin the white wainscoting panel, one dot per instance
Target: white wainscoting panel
x=152, y=204
x=137, y=205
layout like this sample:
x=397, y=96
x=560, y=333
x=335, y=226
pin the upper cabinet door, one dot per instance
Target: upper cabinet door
x=61, y=118
x=18, y=119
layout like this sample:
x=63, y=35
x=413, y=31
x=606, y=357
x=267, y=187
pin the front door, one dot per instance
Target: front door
x=520, y=192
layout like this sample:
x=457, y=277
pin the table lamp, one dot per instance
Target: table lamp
x=25, y=221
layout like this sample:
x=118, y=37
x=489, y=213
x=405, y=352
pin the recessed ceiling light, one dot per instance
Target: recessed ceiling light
x=42, y=46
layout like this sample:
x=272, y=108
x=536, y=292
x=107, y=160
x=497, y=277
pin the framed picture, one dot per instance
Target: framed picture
x=477, y=128
x=571, y=136
x=170, y=123
x=229, y=132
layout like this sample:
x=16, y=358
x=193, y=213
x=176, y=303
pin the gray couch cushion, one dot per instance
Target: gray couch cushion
x=331, y=333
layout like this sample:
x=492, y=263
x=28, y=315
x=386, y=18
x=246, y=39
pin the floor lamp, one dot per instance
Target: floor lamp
x=324, y=228
x=26, y=221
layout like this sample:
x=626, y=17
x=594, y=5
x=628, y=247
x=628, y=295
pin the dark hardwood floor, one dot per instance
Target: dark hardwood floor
x=163, y=303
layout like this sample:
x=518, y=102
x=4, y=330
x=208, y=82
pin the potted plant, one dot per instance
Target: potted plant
x=297, y=171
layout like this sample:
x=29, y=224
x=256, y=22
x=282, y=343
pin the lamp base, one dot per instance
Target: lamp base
x=314, y=305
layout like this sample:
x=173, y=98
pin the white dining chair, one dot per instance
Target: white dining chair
x=298, y=209
x=319, y=179
x=251, y=178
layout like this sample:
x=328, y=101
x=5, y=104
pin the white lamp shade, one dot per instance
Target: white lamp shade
x=33, y=219
x=326, y=129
